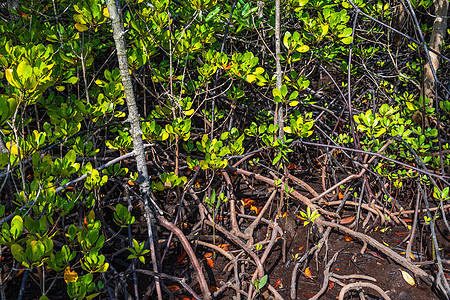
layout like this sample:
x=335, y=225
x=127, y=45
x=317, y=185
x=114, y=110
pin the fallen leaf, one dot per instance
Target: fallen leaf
x=255, y=209
x=308, y=273
x=401, y=233
x=173, y=288
x=348, y=238
x=278, y=283
x=247, y=202
x=183, y=297
x=340, y=196
x=224, y=247
x=301, y=247
x=330, y=285
x=181, y=258
x=292, y=167
x=208, y=255
x=408, y=278
x=375, y=254
x=212, y=288
x=347, y=220
x=384, y=229
x=210, y=262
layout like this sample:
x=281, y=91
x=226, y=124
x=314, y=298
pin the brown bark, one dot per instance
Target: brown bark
x=398, y=22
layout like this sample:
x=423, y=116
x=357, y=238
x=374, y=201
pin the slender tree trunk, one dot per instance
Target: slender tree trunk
x=398, y=22
x=279, y=114
x=136, y=132
x=436, y=40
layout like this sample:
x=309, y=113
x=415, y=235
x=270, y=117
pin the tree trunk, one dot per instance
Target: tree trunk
x=436, y=40
x=279, y=114
x=136, y=132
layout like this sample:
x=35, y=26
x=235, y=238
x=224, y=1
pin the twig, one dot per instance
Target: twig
x=165, y=276
x=326, y=277
x=187, y=247
x=357, y=285
x=382, y=248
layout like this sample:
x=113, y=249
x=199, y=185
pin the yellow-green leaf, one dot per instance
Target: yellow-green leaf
x=24, y=70
x=79, y=19
x=81, y=27
x=303, y=48
x=251, y=78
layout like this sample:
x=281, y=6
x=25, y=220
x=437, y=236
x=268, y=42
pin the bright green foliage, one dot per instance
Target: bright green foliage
x=138, y=251
x=168, y=181
x=309, y=216
x=63, y=112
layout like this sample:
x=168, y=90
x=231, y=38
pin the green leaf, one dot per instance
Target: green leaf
x=16, y=226
x=18, y=253
x=81, y=27
x=347, y=40
x=262, y=282
x=24, y=70
x=284, y=90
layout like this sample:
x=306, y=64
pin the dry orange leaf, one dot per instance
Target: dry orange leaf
x=173, y=288
x=181, y=258
x=208, y=255
x=278, y=283
x=340, y=196
x=224, y=247
x=408, y=278
x=70, y=276
x=292, y=167
x=348, y=238
x=228, y=67
x=301, y=247
x=131, y=182
x=308, y=273
x=255, y=209
x=183, y=297
x=247, y=202
x=210, y=262
x=212, y=288
x=347, y=220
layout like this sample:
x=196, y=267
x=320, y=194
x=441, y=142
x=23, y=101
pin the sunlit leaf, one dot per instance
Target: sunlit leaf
x=408, y=278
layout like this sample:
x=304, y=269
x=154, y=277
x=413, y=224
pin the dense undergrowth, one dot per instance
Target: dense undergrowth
x=346, y=129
